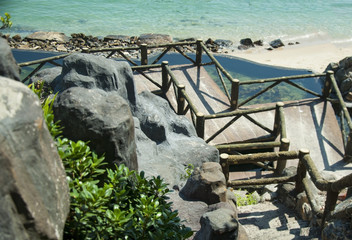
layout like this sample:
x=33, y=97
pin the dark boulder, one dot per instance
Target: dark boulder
x=48, y=76
x=102, y=118
x=34, y=194
x=220, y=224
x=337, y=230
x=206, y=184
x=89, y=71
x=8, y=65
x=258, y=43
x=247, y=42
x=277, y=43
x=223, y=43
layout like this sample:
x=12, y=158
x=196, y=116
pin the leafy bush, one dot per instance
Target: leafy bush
x=6, y=22
x=188, y=171
x=111, y=203
x=247, y=199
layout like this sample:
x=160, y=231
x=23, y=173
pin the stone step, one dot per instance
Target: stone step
x=273, y=220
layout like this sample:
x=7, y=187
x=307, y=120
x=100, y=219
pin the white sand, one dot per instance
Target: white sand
x=309, y=55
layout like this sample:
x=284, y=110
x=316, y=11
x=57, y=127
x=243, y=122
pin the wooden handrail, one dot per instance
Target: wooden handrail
x=305, y=165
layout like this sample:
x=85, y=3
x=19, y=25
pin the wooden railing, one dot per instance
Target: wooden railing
x=331, y=84
x=185, y=104
x=41, y=63
x=233, y=95
x=301, y=178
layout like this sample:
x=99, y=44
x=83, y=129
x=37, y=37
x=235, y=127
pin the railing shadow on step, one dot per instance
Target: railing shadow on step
x=301, y=179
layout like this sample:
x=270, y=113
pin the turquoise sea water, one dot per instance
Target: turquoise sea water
x=219, y=19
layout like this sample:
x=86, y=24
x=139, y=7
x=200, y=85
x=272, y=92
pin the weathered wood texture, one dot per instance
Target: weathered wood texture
x=310, y=123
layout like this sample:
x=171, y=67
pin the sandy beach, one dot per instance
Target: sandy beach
x=306, y=55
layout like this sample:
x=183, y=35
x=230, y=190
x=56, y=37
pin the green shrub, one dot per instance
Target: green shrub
x=245, y=200
x=6, y=22
x=188, y=171
x=111, y=203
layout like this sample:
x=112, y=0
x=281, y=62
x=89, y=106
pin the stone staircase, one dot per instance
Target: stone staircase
x=273, y=220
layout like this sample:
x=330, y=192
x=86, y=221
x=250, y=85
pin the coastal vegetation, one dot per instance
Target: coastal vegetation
x=110, y=203
x=6, y=22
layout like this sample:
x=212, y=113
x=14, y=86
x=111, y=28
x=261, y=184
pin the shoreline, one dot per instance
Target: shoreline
x=309, y=54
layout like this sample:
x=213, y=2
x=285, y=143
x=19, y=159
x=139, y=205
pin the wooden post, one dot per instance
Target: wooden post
x=164, y=76
x=180, y=100
x=277, y=121
x=235, y=87
x=348, y=149
x=301, y=171
x=330, y=203
x=327, y=84
x=199, y=52
x=280, y=166
x=200, y=124
x=225, y=165
x=144, y=54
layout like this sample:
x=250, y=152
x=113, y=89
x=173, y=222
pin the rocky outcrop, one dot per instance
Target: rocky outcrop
x=48, y=36
x=339, y=225
x=34, y=193
x=219, y=220
x=154, y=39
x=343, y=76
x=247, y=42
x=337, y=230
x=218, y=224
x=102, y=118
x=277, y=43
x=89, y=71
x=166, y=142
x=206, y=184
x=8, y=66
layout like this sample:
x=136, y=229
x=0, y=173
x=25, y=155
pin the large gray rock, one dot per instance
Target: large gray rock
x=337, y=230
x=102, y=118
x=51, y=36
x=167, y=142
x=343, y=210
x=34, y=193
x=47, y=75
x=153, y=39
x=206, y=184
x=8, y=65
x=343, y=76
x=89, y=71
x=276, y=43
x=220, y=224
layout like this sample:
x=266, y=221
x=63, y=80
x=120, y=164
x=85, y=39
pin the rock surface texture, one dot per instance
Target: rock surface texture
x=50, y=36
x=93, y=104
x=339, y=225
x=166, y=142
x=343, y=76
x=219, y=220
x=8, y=66
x=89, y=71
x=206, y=184
x=34, y=193
x=102, y=118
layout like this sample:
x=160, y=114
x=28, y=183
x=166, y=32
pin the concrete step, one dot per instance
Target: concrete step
x=268, y=220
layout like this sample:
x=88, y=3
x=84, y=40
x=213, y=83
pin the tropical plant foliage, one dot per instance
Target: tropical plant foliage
x=6, y=22
x=111, y=203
